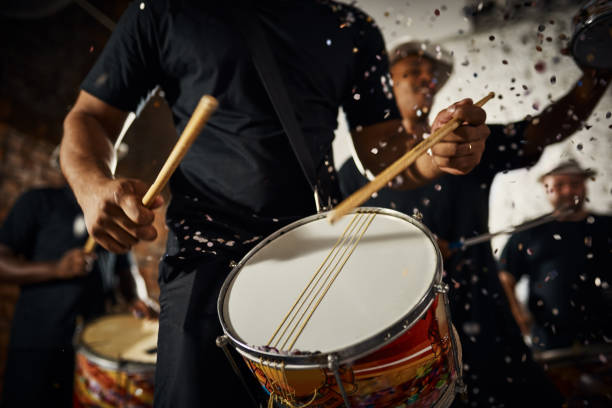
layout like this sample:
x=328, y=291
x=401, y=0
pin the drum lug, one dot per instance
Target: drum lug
x=441, y=288
x=222, y=341
x=332, y=364
x=460, y=386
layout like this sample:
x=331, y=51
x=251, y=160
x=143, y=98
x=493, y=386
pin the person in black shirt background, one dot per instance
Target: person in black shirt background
x=41, y=244
x=240, y=180
x=568, y=264
x=498, y=365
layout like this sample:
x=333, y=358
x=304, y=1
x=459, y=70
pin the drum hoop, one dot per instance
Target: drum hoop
x=579, y=27
x=354, y=352
x=124, y=365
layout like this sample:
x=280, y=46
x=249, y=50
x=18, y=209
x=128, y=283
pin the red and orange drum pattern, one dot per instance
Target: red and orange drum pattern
x=96, y=386
x=115, y=363
x=414, y=370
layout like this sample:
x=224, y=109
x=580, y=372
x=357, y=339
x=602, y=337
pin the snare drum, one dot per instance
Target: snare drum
x=591, y=43
x=115, y=362
x=351, y=314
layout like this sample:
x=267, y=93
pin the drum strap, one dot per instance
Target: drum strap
x=267, y=68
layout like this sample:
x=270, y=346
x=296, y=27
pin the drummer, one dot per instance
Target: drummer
x=40, y=250
x=241, y=179
x=568, y=265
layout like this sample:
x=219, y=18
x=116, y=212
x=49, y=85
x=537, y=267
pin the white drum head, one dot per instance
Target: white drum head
x=390, y=271
x=122, y=337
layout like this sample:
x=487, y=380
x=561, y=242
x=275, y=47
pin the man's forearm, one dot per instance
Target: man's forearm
x=86, y=154
x=19, y=271
x=564, y=117
x=509, y=285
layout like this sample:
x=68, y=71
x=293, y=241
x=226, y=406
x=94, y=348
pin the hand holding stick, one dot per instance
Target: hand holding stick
x=202, y=113
x=381, y=180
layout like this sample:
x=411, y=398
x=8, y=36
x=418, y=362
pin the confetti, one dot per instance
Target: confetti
x=550, y=276
x=540, y=66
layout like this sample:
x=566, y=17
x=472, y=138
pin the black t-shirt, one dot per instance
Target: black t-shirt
x=330, y=55
x=42, y=226
x=568, y=265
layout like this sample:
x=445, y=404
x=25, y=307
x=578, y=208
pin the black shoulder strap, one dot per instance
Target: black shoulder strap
x=267, y=68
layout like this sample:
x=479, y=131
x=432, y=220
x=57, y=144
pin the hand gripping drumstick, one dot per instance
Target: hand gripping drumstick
x=202, y=113
x=388, y=174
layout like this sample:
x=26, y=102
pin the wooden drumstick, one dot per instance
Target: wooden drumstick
x=388, y=174
x=202, y=113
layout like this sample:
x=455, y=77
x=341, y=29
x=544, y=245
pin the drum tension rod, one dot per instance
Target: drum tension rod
x=332, y=364
x=460, y=386
x=441, y=288
x=222, y=342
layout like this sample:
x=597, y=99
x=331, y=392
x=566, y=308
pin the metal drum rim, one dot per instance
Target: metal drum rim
x=106, y=362
x=581, y=26
x=356, y=351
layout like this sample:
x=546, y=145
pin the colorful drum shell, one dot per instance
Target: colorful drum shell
x=105, y=381
x=417, y=369
x=414, y=361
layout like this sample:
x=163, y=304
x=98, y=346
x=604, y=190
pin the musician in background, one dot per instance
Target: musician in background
x=499, y=368
x=568, y=264
x=240, y=181
x=41, y=244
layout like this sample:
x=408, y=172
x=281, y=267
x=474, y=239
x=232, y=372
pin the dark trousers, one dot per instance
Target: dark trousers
x=191, y=370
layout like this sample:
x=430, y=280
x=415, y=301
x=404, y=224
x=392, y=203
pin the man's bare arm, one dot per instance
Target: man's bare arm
x=113, y=211
x=17, y=270
x=509, y=284
x=564, y=117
